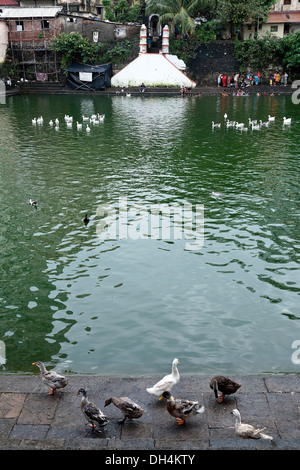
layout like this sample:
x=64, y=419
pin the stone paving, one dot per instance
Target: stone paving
x=30, y=419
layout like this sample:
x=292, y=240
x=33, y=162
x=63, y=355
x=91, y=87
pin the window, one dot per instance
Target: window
x=287, y=2
x=74, y=8
x=274, y=29
x=20, y=25
x=100, y=11
x=45, y=24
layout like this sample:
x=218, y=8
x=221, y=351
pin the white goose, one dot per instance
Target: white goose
x=79, y=126
x=33, y=121
x=287, y=120
x=247, y=430
x=252, y=122
x=215, y=125
x=271, y=118
x=167, y=383
x=265, y=123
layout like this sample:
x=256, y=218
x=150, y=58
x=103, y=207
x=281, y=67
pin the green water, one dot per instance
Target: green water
x=83, y=304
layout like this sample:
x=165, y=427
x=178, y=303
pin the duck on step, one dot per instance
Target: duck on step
x=222, y=386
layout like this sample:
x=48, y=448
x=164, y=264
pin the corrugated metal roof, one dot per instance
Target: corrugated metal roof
x=42, y=12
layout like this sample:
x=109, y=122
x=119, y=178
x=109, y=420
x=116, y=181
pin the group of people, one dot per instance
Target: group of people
x=235, y=81
x=278, y=79
x=225, y=80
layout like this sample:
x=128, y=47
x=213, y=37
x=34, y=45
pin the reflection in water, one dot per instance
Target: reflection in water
x=118, y=306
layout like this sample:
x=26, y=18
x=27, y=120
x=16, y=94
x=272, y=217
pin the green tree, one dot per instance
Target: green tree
x=291, y=47
x=178, y=13
x=74, y=48
x=261, y=53
x=237, y=12
x=122, y=11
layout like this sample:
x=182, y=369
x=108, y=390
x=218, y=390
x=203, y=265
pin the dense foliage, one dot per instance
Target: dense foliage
x=122, y=11
x=178, y=14
x=237, y=12
x=268, y=50
x=75, y=48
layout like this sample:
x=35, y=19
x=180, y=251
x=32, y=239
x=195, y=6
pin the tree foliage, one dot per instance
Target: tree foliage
x=259, y=54
x=291, y=49
x=178, y=14
x=75, y=48
x=237, y=12
x=122, y=11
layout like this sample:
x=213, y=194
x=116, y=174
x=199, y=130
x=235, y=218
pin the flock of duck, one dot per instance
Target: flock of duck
x=253, y=124
x=181, y=409
x=87, y=121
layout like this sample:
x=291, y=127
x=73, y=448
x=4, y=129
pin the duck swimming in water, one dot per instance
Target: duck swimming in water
x=86, y=219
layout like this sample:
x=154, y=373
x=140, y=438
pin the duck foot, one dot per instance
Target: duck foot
x=180, y=421
x=220, y=399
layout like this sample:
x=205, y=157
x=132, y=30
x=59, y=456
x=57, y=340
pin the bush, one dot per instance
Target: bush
x=259, y=54
x=75, y=48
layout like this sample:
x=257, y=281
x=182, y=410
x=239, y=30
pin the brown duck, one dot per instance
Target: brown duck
x=182, y=409
x=129, y=408
x=223, y=386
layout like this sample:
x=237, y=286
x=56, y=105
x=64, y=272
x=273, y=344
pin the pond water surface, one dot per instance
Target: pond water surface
x=85, y=304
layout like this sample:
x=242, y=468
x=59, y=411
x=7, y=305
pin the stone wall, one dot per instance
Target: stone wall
x=211, y=60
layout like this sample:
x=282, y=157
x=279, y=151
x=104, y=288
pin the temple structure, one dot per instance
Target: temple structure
x=160, y=69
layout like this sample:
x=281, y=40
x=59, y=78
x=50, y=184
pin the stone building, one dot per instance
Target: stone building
x=28, y=32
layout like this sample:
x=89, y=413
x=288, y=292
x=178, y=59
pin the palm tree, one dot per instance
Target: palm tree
x=180, y=13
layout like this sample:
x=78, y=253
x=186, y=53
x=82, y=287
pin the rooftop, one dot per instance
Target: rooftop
x=41, y=12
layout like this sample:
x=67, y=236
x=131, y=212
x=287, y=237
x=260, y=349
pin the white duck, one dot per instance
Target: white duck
x=167, y=383
x=287, y=120
x=32, y=203
x=51, y=378
x=215, y=125
x=271, y=118
x=247, y=430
